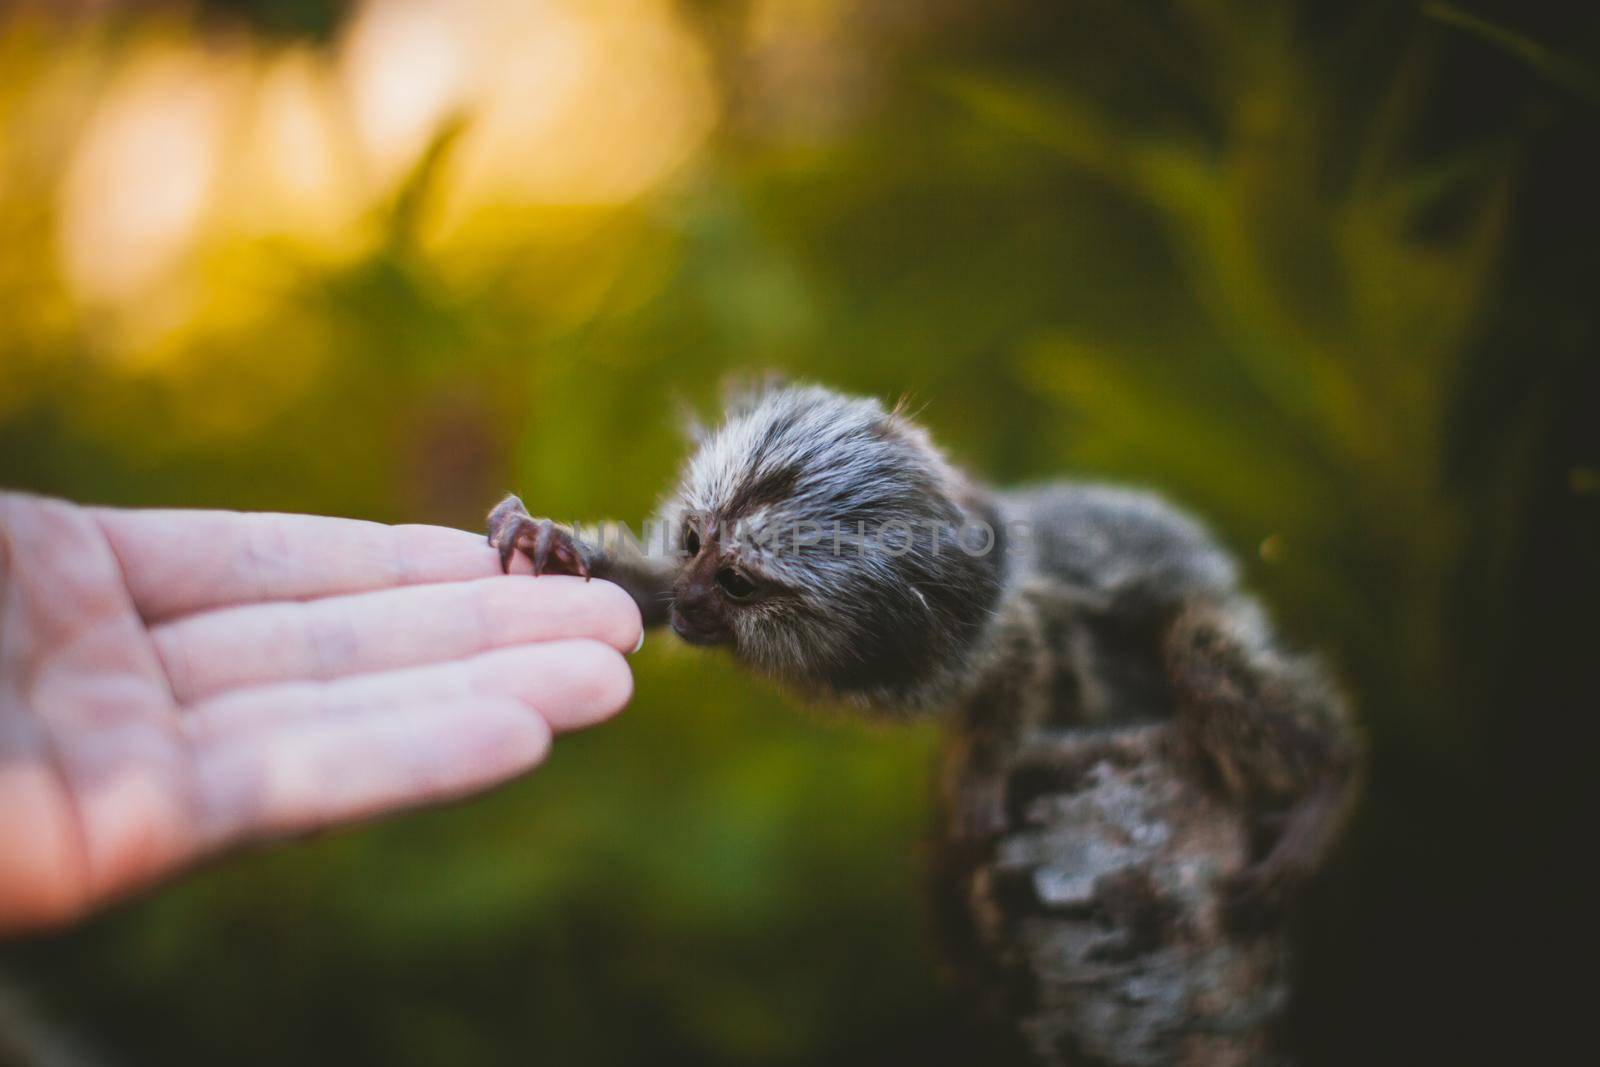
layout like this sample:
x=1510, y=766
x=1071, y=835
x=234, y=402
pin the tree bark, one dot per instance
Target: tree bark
x=1099, y=917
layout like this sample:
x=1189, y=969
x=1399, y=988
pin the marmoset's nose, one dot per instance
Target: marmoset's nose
x=695, y=603
x=696, y=615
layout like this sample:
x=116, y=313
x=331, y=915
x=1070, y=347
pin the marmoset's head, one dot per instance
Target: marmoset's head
x=828, y=543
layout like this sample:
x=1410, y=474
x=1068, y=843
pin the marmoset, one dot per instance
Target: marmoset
x=828, y=543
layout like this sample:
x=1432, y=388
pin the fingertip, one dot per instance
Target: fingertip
x=613, y=682
x=507, y=739
x=602, y=685
x=557, y=607
x=623, y=625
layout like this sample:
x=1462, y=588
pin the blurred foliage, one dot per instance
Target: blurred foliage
x=1313, y=270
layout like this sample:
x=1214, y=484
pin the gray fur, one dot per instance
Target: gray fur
x=1097, y=607
x=845, y=620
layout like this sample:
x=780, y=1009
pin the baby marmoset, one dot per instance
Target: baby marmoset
x=828, y=543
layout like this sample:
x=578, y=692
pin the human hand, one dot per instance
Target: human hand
x=175, y=682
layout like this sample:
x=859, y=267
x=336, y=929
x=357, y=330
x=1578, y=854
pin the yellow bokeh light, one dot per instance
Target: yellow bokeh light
x=566, y=103
x=142, y=176
x=297, y=172
x=405, y=67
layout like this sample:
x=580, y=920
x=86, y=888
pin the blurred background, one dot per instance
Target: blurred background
x=1324, y=272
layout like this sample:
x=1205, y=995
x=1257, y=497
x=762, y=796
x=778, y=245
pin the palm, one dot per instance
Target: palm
x=174, y=682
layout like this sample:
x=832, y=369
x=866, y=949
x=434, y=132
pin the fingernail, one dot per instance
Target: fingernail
x=637, y=645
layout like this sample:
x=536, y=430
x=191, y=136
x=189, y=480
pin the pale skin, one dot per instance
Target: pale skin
x=174, y=683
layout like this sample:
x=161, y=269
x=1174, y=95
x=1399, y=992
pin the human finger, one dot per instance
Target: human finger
x=322, y=771
x=570, y=684
x=175, y=562
x=320, y=640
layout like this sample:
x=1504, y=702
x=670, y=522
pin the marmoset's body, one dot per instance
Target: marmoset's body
x=829, y=544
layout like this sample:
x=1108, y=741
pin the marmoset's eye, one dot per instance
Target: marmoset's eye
x=735, y=584
x=691, y=542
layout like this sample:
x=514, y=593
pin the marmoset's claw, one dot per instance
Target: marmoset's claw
x=541, y=547
x=508, y=548
x=553, y=548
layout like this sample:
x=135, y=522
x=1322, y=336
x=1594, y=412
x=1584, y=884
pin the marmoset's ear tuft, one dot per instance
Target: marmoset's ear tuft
x=743, y=393
x=740, y=394
x=690, y=424
x=907, y=409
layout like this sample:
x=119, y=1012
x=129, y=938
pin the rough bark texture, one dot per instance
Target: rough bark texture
x=1102, y=913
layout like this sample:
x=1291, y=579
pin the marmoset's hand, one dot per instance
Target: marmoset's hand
x=553, y=548
x=174, y=682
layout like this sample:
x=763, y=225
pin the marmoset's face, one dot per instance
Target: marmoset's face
x=713, y=587
x=782, y=521
x=796, y=597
